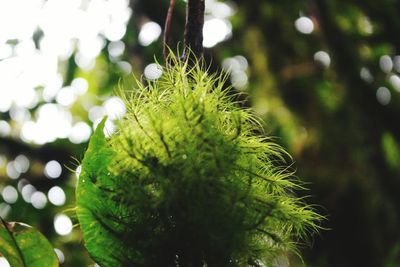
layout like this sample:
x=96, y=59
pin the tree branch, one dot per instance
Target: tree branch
x=167, y=27
x=194, y=30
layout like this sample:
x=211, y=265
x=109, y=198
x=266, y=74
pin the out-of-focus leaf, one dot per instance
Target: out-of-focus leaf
x=24, y=246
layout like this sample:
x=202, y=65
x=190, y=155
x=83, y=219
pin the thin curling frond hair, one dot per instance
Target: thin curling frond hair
x=186, y=181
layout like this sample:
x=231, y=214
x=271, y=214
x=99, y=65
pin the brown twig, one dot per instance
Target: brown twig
x=167, y=28
x=194, y=30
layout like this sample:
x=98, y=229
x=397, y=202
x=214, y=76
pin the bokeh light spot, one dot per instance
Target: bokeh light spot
x=80, y=133
x=10, y=194
x=21, y=163
x=323, y=58
x=62, y=224
x=38, y=200
x=215, y=31
x=115, y=108
x=27, y=192
x=5, y=128
x=56, y=196
x=149, y=33
x=4, y=262
x=12, y=171
x=395, y=82
x=383, y=95
x=116, y=49
x=52, y=169
x=153, y=71
x=386, y=63
x=60, y=255
x=366, y=75
x=304, y=25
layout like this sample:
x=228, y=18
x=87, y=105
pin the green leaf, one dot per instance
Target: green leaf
x=99, y=238
x=24, y=246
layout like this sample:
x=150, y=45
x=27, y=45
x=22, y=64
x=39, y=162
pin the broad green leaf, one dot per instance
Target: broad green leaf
x=24, y=246
x=100, y=240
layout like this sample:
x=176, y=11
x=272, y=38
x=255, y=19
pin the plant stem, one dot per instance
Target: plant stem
x=194, y=30
x=167, y=27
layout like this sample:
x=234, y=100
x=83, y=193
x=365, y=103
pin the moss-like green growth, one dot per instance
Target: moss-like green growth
x=187, y=181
